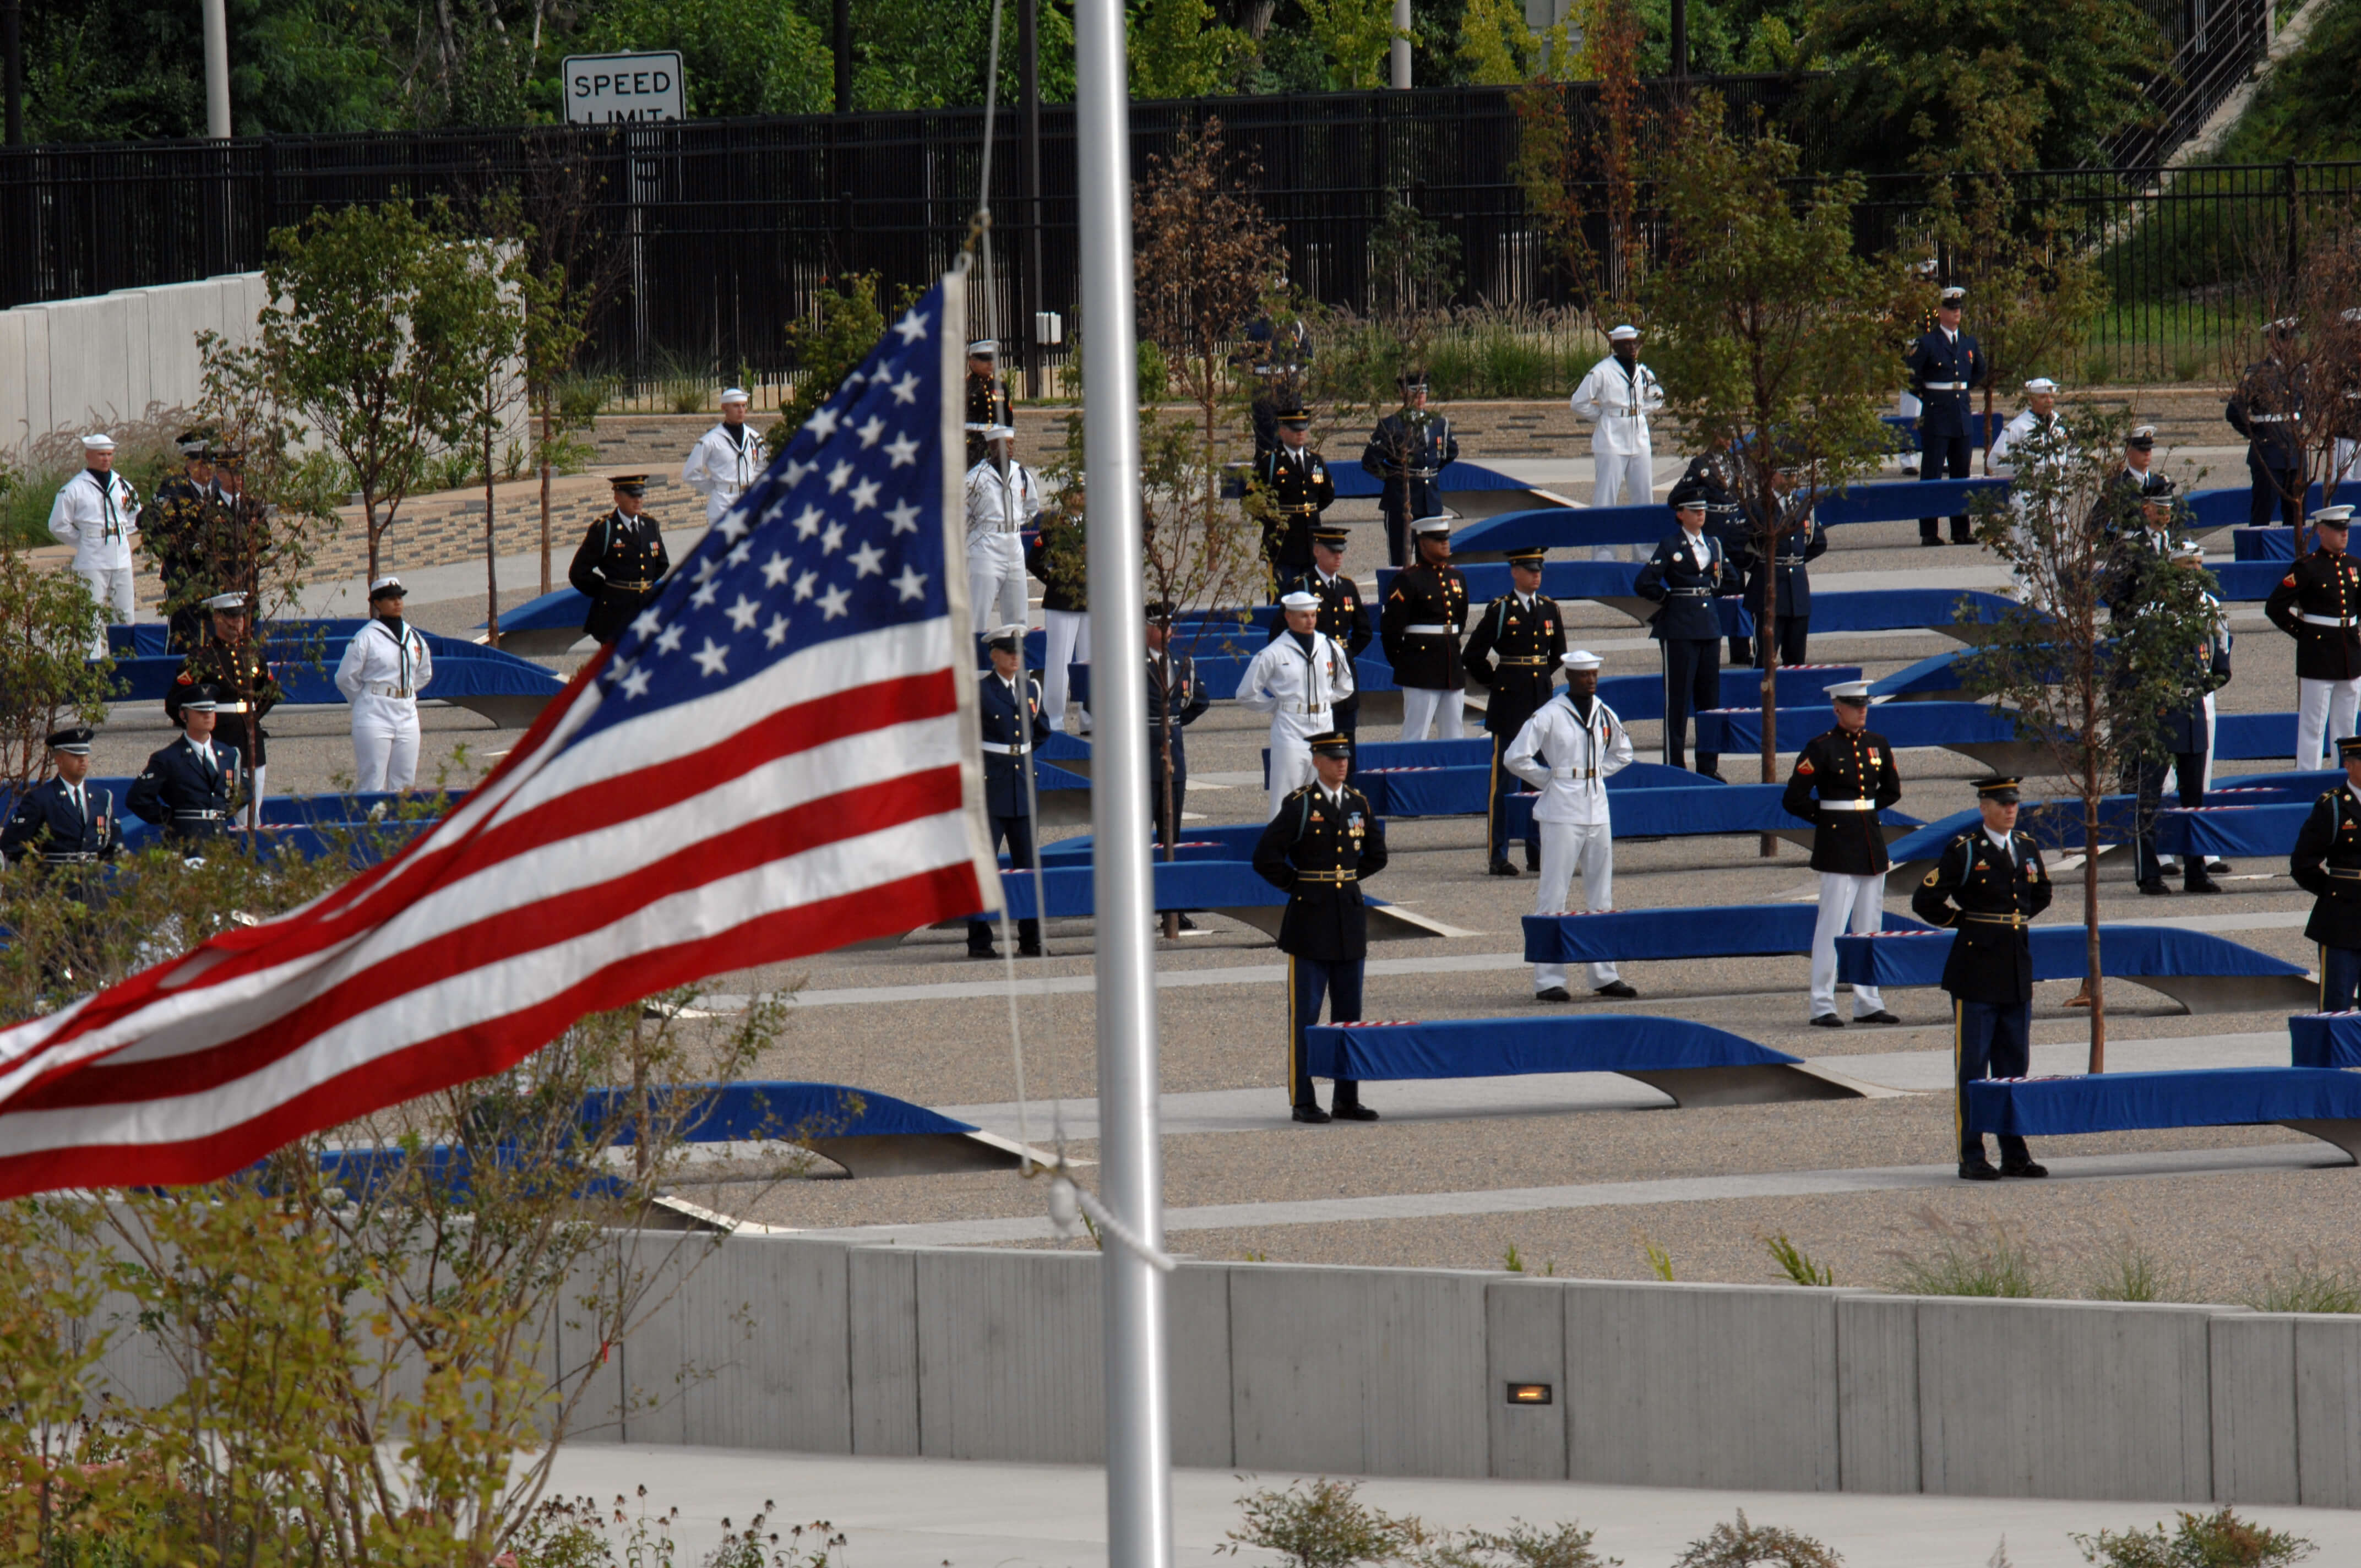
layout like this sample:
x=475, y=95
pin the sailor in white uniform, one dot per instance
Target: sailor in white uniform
x=1003, y=498
x=1297, y=679
x=97, y=512
x=1568, y=751
x=383, y=667
x=1618, y=396
x=725, y=460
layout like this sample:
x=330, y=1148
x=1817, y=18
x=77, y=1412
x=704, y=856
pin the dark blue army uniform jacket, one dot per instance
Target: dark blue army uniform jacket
x=1683, y=577
x=185, y=795
x=1188, y=698
x=1344, y=616
x=1942, y=375
x=1996, y=897
x=2326, y=863
x=1515, y=649
x=1006, y=739
x=617, y=567
x=1321, y=854
x=1808, y=543
x=47, y=825
x=1408, y=451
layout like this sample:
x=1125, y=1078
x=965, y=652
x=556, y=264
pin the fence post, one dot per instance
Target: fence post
x=2294, y=242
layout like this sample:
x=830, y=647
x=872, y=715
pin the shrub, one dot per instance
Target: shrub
x=1967, y=1259
x=1744, y=1545
x=1799, y=1264
x=2220, y=1539
x=2307, y=1285
x=1321, y=1524
x=2126, y=1271
x=1522, y=1545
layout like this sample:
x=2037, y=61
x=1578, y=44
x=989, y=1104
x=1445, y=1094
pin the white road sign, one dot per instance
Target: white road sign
x=624, y=88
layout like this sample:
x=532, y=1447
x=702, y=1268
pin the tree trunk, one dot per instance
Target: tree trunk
x=491, y=546
x=545, y=422
x=2097, y=983
x=1988, y=425
x=368, y=527
x=1766, y=643
x=1171, y=838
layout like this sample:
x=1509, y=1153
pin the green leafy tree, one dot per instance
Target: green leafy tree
x=738, y=57
x=1771, y=334
x=828, y=350
x=1357, y=36
x=1180, y=49
x=45, y=681
x=367, y=337
x=2089, y=689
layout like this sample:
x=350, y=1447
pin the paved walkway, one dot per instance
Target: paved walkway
x=940, y=1513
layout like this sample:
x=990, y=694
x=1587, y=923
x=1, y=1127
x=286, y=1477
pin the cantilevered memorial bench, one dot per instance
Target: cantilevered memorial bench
x=1228, y=887
x=869, y=1134
x=1974, y=730
x=1696, y=1063
x=2202, y=972
x=2324, y=1103
x=1728, y=931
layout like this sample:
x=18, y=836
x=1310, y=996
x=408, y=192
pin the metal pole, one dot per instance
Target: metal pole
x=1028, y=68
x=1131, y=1179
x=1400, y=52
x=216, y=19
x=1680, y=41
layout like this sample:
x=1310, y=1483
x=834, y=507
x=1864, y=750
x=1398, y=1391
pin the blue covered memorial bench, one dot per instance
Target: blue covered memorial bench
x=1738, y=931
x=2202, y=972
x=2324, y=1103
x=1696, y=1063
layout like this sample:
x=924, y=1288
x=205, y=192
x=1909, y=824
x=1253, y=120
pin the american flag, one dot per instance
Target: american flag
x=778, y=757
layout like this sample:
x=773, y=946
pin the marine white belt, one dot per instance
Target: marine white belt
x=1429, y=628
x=2311, y=619
x=1848, y=806
x=2268, y=418
x=997, y=749
x=1947, y=386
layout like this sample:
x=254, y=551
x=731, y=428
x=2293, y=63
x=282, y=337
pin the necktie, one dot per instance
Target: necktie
x=81, y=810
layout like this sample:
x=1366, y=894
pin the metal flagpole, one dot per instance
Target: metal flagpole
x=1138, y=1425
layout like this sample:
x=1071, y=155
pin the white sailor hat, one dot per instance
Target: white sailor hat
x=2285, y=323
x=2041, y=384
x=102, y=442
x=999, y=432
x=984, y=348
x=1849, y=691
x=2189, y=550
x=734, y=395
x=387, y=588
x=234, y=603
x=1431, y=525
x=2350, y=313
x=2334, y=517
x=1299, y=599
x=1953, y=296
x=1623, y=333
x=1582, y=659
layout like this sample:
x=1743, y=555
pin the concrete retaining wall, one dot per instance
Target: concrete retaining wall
x=816, y=1346
x=87, y=364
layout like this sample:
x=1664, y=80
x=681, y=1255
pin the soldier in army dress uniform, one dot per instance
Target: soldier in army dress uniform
x=2267, y=408
x=1185, y=696
x=1424, y=609
x=1987, y=886
x=1946, y=368
x=1844, y=780
x=2318, y=603
x=2326, y=863
x=1319, y=847
x=621, y=562
x=1409, y=450
x=1515, y=649
x=1296, y=488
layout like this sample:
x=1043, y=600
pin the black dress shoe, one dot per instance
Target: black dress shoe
x=1930, y=541
x=2198, y=882
x=1188, y=924
x=1355, y=1113
x=1826, y=1021
x=2155, y=885
x=2032, y=1170
x=1533, y=864
x=1310, y=1113
x=983, y=952
x=1880, y=1017
x=1971, y=1170
x=1502, y=868
x=1618, y=990
x=1554, y=993
x=1033, y=952
x=2217, y=868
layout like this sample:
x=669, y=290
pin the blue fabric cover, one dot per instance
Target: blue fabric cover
x=2269, y=543
x=461, y=669
x=1238, y=839
x=553, y=612
x=1901, y=610
x=1929, y=678
x=1562, y=528
x=1499, y=1047
x=739, y=1112
x=1654, y=812
x=1352, y=481
x=1738, y=931
x=2325, y=1039
x=2205, y=1096
x=1182, y=884
x=2251, y=736
x=2058, y=954
x=1730, y=729
x=2243, y=582
x=2223, y=831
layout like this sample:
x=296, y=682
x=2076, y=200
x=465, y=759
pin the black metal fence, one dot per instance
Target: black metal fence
x=725, y=230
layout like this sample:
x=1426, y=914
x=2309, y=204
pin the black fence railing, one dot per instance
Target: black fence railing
x=723, y=232
x=2215, y=45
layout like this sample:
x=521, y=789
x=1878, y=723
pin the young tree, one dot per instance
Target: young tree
x=825, y=351
x=1772, y=335
x=2089, y=685
x=46, y=680
x=2314, y=279
x=1578, y=175
x=492, y=329
x=1180, y=50
x=366, y=337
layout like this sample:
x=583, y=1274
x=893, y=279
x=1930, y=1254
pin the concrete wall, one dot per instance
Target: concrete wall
x=816, y=1346
x=87, y=364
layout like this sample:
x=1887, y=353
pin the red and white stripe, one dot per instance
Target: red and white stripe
x=821, y=802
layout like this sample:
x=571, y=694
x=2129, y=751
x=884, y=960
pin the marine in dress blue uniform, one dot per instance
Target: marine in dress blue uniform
x=1987, y=886
x=1012, y=723
x=192, y=788
x=2326, y=863
x=65, y=820
x=1320, y=845
x=1945, y=366
x=1408, y=451
x=1343, y=615
x=1514, y=648
x=1682, y=579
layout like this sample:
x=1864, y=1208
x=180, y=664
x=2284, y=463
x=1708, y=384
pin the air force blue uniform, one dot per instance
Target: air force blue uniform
x=60, y=824
x=1009, y=737
x=1682, y=577
x=189, y=792
x=1945, y=369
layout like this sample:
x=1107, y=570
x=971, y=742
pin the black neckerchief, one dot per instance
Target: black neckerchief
x=736, y=432
x=1303, y=641
x=1581, y=703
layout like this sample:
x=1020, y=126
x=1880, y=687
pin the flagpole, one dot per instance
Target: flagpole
x=1131, y=1162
